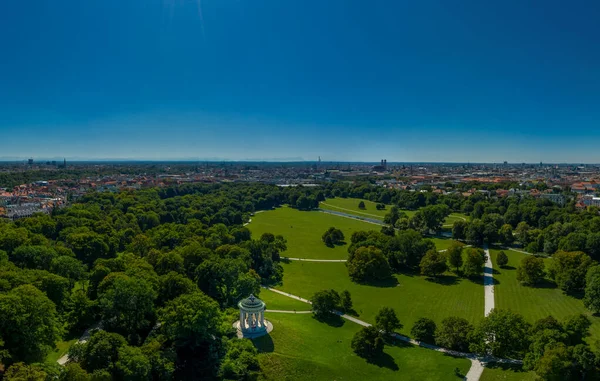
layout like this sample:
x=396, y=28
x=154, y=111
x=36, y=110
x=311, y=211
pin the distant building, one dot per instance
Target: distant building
x=30, y=161
x=591, y=201
x=556, y=198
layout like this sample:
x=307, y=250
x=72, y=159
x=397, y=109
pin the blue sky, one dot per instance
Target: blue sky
x=345, y=80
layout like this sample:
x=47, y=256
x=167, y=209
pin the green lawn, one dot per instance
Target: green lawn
x=301, y=348
x=350, y=205
x=499, y=372
x=412, y=297
x=303, y=231
x=276, y=301
x=61, y=349
x=535, y=302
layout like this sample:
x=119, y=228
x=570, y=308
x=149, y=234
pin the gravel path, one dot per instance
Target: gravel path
x=488, y=283
x=314, y=260
x=290, y=312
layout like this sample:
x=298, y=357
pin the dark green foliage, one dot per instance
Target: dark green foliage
x=592, y=289
x=240, y=362
x=502, y=334
x=454, y=256
x=501, y=259
x=531, y=270
x=29, y=323
x=368, y=343
x=366, y=264
x=333, y=237
x=324, y=302
x=568, y=270
x=387, y=321
x=474, y=262
x=424, y=330
x=433, y=264
x=361, y=205
x=454, y=333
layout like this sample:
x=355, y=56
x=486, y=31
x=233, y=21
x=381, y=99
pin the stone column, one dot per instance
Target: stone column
x=262, y=318
x=242, y=326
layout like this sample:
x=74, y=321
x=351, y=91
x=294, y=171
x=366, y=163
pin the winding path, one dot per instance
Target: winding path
x=476, y=369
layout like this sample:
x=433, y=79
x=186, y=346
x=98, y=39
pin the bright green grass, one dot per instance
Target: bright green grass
x=535, y=303
x=501, y=372
x=301, y=348
x=61, y=349
x=442, y=243
x=412, y=297
x=303, y=231
x=350, y=206
x=453, y=217
x=276, y=301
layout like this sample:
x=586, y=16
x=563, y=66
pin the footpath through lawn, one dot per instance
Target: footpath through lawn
x=302, y=348
x=536, y=302
x=412, y=297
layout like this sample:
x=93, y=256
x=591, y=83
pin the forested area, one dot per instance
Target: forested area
x=161, y=270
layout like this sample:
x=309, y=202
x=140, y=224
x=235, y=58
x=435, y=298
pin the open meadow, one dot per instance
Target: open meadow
x=412, y=297
x=302, y=348
x=535, y=302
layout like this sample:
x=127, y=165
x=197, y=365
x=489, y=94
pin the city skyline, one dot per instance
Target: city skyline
x=344, y=80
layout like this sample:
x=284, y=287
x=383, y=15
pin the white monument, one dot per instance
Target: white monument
x=252, y=321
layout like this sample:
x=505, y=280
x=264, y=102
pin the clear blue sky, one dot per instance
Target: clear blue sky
x=347, y=80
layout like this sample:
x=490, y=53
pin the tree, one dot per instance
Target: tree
x=474, y=262
x=459, y=230
x=522, y=233
x=127, y=304
x=24, y=372
x=433, y=264
x=68, y=267
x=568, y=270
x=133, y=364
x=424, y=330
x=555, y=364
x=502, y=333
x=333, y=237
x=368, y=343
x=324, y=302
x=191, y=320
x=387, y=321
x=531, y=270
x=172, y=285
x=454, y=333
x=29, y=323
x=380, y=206
x=99, y=352
x=505, y=234
x=74, y=372
x=368, y=263
x=592, y=289
x=240, y=361
x=476, y=232
x=346, y=301
x=454, y=255
x=361, y=205
x=502, y=259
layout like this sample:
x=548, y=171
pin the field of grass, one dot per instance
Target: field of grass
x=350, y=205
x=302, y=348
x=535, y=302
x=412, y=297
x=303, y=231
x=442, y=243
x=499, y=372
x=61, y=349
x=275, y=301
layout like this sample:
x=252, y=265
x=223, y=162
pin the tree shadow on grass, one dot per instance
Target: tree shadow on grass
x=384, y=360
x=546, y=283
x=480, y=281
x=506, y=367
x=384, y=283
x=264, y=344
x=507, y=267
x=330, y=319
x=444, y=280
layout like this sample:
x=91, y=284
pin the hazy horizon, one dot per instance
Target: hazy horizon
x=422, y=81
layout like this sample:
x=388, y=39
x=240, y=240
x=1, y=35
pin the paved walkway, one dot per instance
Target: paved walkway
x=314, y=260
x=290, y=312
x=84, y=338
x=353, y=217
x=488, y=283
x=353, y=211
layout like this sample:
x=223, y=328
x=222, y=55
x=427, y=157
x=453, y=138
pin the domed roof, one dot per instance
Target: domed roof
x=251, y=303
